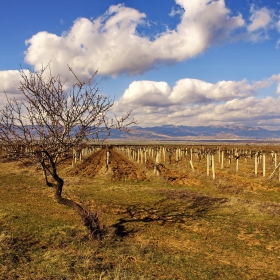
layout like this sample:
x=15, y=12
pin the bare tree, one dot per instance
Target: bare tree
x=51, y=120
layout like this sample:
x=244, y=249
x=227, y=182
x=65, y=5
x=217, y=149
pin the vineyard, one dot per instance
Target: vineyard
x=178, y=164
x=173, y=212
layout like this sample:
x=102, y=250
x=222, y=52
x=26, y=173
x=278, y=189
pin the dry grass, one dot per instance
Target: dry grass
x=200, y=228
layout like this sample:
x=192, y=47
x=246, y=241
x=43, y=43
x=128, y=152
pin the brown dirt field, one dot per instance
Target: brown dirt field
x=120, y=168
x=124, y=169
x=90, y=166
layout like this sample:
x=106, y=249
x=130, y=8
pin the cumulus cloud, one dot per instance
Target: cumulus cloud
x=249, y=111
x=276, y=78
x=196, y=102
x=9, y=84
x=197, y=91
x=9, y=81
x=112, y=45
x=147, y=93
x=186, y=91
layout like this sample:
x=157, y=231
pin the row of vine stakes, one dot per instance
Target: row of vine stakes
x=160, y=154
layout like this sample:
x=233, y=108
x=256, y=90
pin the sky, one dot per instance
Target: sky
x=172, y=62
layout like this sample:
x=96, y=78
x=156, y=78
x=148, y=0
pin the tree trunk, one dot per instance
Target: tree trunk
x=90, y=220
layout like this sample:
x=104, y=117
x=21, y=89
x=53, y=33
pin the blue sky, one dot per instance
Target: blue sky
x=181, y=62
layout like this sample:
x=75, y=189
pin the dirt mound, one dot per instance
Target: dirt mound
x=119, y=167
x=91, y=165
x=124, y=169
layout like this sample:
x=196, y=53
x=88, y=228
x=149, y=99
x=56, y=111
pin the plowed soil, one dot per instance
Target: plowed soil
x=119, y=167
x=91, y=165
x=124, y=169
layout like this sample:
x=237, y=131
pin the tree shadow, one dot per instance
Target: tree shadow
x=177, y=207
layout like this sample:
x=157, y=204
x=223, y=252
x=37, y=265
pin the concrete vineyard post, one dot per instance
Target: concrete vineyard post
x=213, y=167
x=145, y=154
x=256, y=164
x=158, y=157
x=107, y=159
x=207, y=164
x=156, y=164
x=191, y=165
x=176, y=156
x=263, y=165
x=222, y=160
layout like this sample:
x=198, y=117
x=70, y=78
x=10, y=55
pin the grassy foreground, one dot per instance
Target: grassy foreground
x=195, y=231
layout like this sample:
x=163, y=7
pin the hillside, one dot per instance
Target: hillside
x=172, y=132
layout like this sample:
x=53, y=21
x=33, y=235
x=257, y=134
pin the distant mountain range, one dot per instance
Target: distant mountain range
x=172, y=132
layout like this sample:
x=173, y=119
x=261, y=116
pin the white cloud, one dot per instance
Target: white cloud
x=195, y=102
x=197, y=91
x=190, y=91
x=276, y=78
x=260, y=19
x=9, y=81
x=111, y=43
x=147, y=93
x=176, y=11
x=186, y=91
x=249, y=111
x=9, y=84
